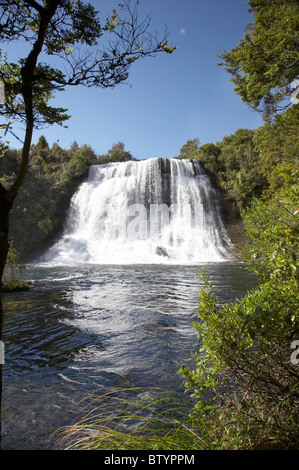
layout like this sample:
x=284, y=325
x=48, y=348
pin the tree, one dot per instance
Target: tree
x=190, y=149
x=69, y=32
x=116, y=154
x=278, y=143
x=239, y=167
x=42, y=143
x=264, y=65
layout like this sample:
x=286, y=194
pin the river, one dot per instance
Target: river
x=82, y=328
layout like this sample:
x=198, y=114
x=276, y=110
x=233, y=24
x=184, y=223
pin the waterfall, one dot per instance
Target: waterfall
x=149, y=211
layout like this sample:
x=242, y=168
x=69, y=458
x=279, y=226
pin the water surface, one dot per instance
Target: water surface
x=80, y=329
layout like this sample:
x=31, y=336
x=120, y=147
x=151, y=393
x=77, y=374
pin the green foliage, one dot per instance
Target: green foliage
x=245, y=383
x=233, y=164
x=44, y=86
x=116, y=154
x=42, y=203
x=164, y=47
x=68, y=31
x=190, y=149
x=3, y=145
x=244, y=164
x=273, y=228
x=208, y=155
x=42, y=143
x=278, y=144
x=239, y=171
x=12, y=279
x=266, y=61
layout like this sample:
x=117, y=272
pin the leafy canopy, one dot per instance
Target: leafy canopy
x=64, y=39
x=116, y=154
x=265, y=63
x=190, y=149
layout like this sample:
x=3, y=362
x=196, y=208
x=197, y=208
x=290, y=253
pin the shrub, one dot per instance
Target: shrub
x=12, y=279
x=245, y=382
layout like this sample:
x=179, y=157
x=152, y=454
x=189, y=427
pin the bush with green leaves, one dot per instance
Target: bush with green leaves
x=245, y=383
x=12, y=279
x=272, y=226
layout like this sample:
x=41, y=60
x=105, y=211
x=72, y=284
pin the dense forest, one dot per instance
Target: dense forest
x=244, y=165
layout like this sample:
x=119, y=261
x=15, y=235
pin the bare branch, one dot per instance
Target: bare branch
x=36, y=6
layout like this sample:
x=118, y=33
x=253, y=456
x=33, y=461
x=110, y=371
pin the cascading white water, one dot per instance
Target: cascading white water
x=149, y=211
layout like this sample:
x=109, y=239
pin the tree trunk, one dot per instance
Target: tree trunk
x=7, y=196
x=5, y=206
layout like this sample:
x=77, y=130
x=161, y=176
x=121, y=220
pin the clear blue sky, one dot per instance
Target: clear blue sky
x=172, y=98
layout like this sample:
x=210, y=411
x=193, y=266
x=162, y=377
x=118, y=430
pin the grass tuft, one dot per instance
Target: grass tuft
x=155, y=420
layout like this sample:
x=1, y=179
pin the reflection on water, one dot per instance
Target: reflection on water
x=83, y=328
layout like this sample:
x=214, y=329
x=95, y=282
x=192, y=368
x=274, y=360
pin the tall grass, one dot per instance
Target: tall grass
x=154, y=420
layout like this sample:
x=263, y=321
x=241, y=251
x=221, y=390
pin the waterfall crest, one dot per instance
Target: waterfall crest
x=149, y=211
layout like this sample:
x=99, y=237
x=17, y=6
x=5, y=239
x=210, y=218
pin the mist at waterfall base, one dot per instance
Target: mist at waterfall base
x=108, y=310
x=150, y=211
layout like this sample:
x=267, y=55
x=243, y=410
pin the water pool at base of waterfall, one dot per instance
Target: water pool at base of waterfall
x=83, y=328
